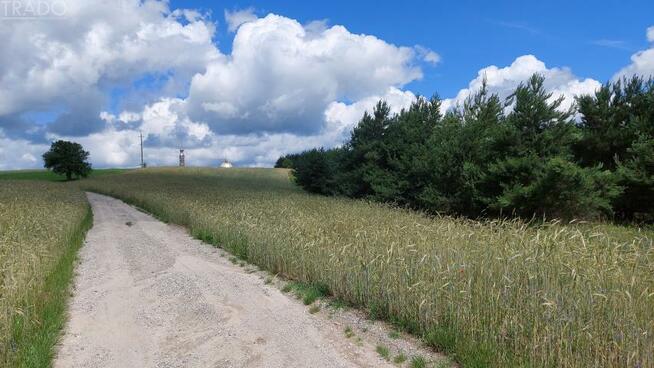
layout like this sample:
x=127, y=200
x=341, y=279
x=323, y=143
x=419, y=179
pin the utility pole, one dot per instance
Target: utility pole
x=141, y=136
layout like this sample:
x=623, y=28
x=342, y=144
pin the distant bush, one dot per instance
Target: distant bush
x=286, y=162
x=314, y=172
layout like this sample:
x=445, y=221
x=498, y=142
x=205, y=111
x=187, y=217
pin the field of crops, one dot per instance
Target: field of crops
x=497, y=293
x=41, y=227
x=48, y=175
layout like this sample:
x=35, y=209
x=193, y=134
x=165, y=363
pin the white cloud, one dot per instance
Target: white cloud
x=285, y=86
x=167, y=119
x=48, y=63
x=281, y=76
x=237, y=18
x=642, y=62
x=19, y=153
x=342, y=117
x=428, y=55
x=503, y=81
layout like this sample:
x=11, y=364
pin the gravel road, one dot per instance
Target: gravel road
x=148, y=295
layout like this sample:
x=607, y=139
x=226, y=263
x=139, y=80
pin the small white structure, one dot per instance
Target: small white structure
x=182, y=162
x=226, y=164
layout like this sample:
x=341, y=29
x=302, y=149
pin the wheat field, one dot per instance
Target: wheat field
x=41, y=226
x=493, y=293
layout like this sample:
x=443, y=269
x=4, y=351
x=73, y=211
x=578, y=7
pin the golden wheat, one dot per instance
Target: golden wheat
x=37, y=221
x=494, y=293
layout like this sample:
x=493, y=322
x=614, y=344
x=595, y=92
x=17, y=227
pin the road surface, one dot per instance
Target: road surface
x=148, y=295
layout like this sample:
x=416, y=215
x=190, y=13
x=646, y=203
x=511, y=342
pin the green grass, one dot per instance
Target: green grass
x=314, y=309
x=418, y=362
x=337, y=303
x=308, y=292
x=35, y=339
x=399, y=358
x=487, y=293
x=383, y=352
x=42, y=225
x=47, y=175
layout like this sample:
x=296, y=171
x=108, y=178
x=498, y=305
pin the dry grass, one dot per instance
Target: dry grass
x=40, y=223
x=497, y=293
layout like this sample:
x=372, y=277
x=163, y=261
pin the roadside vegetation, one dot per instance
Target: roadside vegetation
x=527, y=156
x=41, y=227
x=487, y=293
x=48, y=175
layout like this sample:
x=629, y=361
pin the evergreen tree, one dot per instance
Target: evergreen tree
x=408, y=152
x=365, y=170
x=526, y=156
x=612, y=120
x=636, y=175
x=461, y=149
x=537, y=177
x=313, y=171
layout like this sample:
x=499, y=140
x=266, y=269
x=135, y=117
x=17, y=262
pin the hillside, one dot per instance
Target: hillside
x=499, y=293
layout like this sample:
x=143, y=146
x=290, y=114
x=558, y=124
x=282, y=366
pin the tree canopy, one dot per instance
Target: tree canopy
x=524, y=156
x=67, y=158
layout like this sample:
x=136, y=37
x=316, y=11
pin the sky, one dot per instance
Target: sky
x=248, y=81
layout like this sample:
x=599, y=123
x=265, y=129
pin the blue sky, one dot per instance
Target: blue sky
x=593, y=38
x=249, y=81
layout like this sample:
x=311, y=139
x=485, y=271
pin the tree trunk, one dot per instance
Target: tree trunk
x=69, y=175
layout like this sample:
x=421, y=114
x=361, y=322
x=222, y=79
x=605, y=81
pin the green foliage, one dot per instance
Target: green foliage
x=365, y=162
x=418, y=362
x=308, y=292
x=314, y=172
x=67, y=158
x=555, y=188
x=618, y=125
x=399, y=358
x=286, y=162
x=47, y=175
x=526, y=156
x=636, y=175
x=460, y=149
x=383, y=352
x=612, y=119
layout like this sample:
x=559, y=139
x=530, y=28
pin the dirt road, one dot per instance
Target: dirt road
x=148, y=295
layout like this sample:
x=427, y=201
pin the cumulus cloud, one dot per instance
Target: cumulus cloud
x=236, y=18
x=282, y=75
x=166, y=127
x=70, y=63
x=503, y=81
x=342, y=117
x=642, y=62
x=284, y=87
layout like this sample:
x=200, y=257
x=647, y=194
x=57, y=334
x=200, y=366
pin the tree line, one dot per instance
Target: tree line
x=525, y=156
